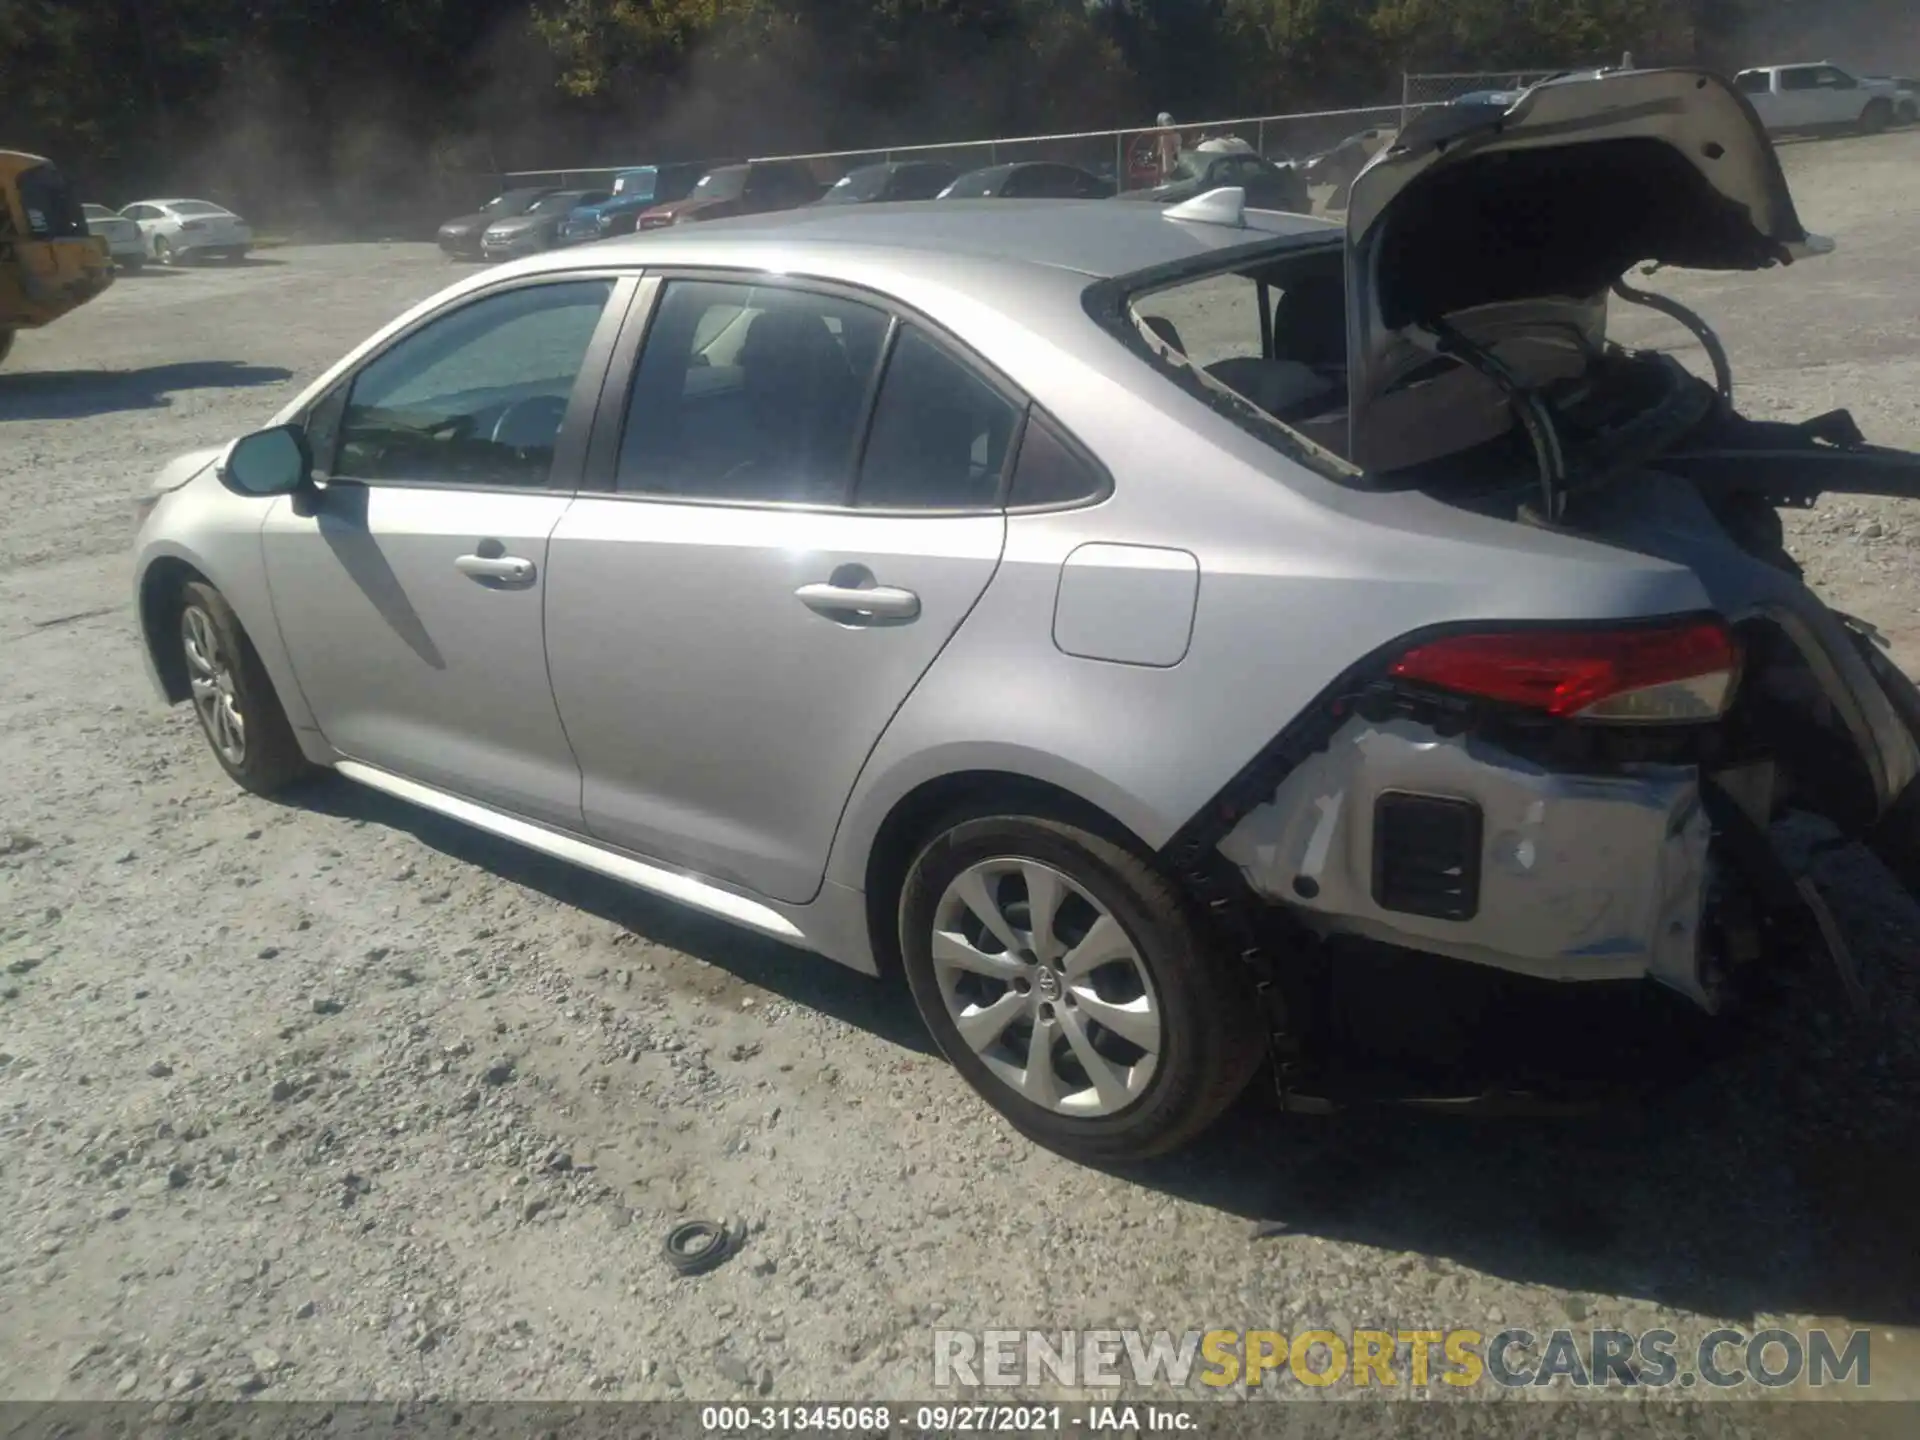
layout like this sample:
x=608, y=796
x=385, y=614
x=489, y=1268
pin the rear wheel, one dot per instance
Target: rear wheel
x=163, y=250
x=1876, y=117
x=133, y=264
x=232, y=696
x=6, y=344
x=1068, y=981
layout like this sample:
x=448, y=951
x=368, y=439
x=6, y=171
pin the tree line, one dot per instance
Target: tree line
x=308, y=107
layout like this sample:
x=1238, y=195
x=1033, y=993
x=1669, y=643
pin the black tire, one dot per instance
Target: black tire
x=1212, y=1038
x=134, y=264
x=1876, y=117
x=269, y=757
x=6, y=344
x=163, y=250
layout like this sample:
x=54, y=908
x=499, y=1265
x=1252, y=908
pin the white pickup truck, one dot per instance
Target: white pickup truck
x=1819, y=96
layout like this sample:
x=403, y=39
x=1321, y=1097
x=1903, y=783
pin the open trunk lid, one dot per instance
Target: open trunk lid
x=1508, y=225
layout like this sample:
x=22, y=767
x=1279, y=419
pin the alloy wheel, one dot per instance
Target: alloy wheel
x=1046, y=987
x=210, y=676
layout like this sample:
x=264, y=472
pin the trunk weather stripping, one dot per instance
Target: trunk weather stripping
x=1703, y=332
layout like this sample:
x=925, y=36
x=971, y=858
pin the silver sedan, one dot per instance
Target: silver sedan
x=1094, y=610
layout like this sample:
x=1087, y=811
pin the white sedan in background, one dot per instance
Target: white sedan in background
x=124, y=241
x=176, y=231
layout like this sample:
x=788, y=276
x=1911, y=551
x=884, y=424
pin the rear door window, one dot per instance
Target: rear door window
x=750, y=393
x=940, y=433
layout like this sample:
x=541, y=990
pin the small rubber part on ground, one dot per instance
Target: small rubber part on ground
x=697, y=1246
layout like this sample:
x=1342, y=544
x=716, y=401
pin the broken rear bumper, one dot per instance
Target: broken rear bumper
x=1453, y=846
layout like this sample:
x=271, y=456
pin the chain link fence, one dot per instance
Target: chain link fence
x=1128, y=159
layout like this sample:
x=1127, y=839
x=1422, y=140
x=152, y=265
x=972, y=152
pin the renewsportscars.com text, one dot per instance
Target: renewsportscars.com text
x=1514, y=1357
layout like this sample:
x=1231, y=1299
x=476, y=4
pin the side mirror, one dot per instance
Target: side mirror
x=269, y=462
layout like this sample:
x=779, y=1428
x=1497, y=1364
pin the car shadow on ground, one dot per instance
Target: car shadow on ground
x=1766, y=1166
x=881, y=1008
x=76, y=394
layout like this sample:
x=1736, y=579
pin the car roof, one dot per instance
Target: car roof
x=1095, y=238
x=1007, y=167
x=898, y=165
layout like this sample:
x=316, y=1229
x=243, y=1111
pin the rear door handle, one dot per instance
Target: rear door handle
x=855, y=602
x=495, y=569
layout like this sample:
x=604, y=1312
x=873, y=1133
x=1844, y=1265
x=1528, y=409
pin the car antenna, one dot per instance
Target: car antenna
x=1225, y=206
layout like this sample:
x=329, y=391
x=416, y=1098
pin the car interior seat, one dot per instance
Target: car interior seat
x=1310, y=322
x=801, y=399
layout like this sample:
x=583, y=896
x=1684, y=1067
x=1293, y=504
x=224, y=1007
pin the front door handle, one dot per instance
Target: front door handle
x=495, y=569
x=857, y=603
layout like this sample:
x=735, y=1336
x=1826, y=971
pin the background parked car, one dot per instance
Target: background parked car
x=1029, y=180
x=634, y=192
x=179, y=231
x=1503, y=98
x=892, y=180
x=124, y=241
x=1906, y=100
x=1340, y=165
x=1820, y=96
x=1268, y=186
x=753, y=189
x=539, y=228
x=460, y=237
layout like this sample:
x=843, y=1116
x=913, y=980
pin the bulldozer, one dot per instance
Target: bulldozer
x=49, y=264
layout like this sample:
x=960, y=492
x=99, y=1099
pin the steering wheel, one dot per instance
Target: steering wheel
x=454, y=427
x=531, y=423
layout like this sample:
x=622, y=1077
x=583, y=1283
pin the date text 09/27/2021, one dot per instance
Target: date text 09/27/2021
x=947, y=1419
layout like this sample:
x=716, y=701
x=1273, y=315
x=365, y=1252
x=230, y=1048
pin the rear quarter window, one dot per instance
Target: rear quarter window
x=1053, y=469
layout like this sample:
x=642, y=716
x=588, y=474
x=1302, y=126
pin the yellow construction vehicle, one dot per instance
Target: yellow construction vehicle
x=49, y=264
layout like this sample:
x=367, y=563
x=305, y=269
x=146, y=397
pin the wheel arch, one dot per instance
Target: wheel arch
x=912, y=817
x=230, y=564
x=161, y=584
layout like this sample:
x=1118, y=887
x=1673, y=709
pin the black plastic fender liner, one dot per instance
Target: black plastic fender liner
x=1895, y=837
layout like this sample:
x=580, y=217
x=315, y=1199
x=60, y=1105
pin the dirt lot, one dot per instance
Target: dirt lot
x=330, y=1099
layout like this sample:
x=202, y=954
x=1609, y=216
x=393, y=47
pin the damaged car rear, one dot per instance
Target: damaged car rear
x=1575, y=784
x=1130, y=621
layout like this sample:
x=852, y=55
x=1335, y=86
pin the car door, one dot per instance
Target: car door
x=764, y=575
x=409, y=587
x=1799, y=103
x=142, y=217
x=1837, y=96
x=1757, y=86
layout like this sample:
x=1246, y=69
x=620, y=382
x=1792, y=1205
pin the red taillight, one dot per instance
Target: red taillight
x=1649, y=674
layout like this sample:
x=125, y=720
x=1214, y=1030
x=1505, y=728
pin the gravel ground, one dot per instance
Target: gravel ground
x=329, y=1099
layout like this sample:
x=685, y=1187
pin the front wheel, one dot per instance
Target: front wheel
x=163, y=250
x=133, y=264
x=1067, y=979
x=232, y=696
x=6, y=344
